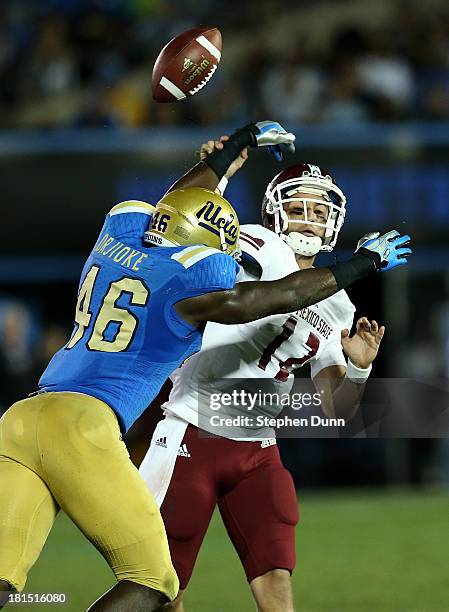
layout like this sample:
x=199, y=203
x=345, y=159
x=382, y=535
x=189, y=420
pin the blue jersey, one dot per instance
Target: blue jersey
x=128, y=337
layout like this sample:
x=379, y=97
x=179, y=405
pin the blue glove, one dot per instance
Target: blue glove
x=273, y=135
x=388, y=251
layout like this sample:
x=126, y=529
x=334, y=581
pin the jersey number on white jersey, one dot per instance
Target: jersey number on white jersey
x=312, y=343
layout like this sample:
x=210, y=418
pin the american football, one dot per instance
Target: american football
x=186, y=64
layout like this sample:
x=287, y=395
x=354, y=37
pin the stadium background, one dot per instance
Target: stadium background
x=365, y=86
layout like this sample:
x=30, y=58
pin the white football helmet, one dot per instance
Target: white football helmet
x=309, y=179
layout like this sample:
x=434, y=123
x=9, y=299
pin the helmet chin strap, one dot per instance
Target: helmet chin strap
x=303, y=245
x=308, y=246
x=224, y=246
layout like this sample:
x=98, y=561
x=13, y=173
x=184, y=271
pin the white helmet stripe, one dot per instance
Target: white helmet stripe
x=314, y=170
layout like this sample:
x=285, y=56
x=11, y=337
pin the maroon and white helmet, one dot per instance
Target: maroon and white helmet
x=308, y=179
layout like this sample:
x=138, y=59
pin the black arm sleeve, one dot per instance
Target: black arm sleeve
x=219, y=161
x=347, y=272
x=253, y=300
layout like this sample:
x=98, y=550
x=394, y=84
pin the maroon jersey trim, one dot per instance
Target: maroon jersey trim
x=257, y=243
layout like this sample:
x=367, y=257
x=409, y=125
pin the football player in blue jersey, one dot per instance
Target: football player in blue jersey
x=152, y=280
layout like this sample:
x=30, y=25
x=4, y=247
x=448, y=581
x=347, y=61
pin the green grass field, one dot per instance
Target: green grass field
x=366, y=552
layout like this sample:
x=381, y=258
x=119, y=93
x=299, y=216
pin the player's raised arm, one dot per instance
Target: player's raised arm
x=209, y=172
x=342, y=387
x=210, y=146
x=254, y=300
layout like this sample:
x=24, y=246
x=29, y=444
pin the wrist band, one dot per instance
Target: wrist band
x=220, y=189
x=357, y=375
x=346, y=272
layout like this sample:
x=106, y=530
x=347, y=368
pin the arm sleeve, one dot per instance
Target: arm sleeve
x=221, y=187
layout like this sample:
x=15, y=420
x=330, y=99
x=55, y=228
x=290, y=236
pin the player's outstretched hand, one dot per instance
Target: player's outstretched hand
x=211, y=145
x=271, y=134
x=363, y=346
x=387, y=251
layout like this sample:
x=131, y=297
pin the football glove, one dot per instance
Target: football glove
x=271, y=134
x=388, y=251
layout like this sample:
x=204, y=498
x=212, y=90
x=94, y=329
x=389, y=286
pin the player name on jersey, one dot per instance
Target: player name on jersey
x=119, y=252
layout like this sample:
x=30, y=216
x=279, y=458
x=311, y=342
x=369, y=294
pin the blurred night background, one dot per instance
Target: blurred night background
x=365, y=87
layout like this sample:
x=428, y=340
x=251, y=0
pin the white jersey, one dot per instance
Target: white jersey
x=269, y=348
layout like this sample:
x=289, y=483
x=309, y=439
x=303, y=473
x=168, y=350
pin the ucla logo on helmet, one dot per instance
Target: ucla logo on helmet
x=210, y=218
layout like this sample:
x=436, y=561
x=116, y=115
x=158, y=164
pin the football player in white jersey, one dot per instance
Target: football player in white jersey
x=189, y=474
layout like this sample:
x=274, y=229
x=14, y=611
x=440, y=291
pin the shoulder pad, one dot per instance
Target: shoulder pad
x=210, y=270
x=255, y=236
x=271, y=253
x=191, y=255
x=132, y=206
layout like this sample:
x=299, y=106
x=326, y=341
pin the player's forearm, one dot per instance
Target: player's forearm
x=346, y=399
x=208, y=173
x=293, y=292
x=255, y=300
x=201, y=175
x=340, y=396
x=250, y=301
